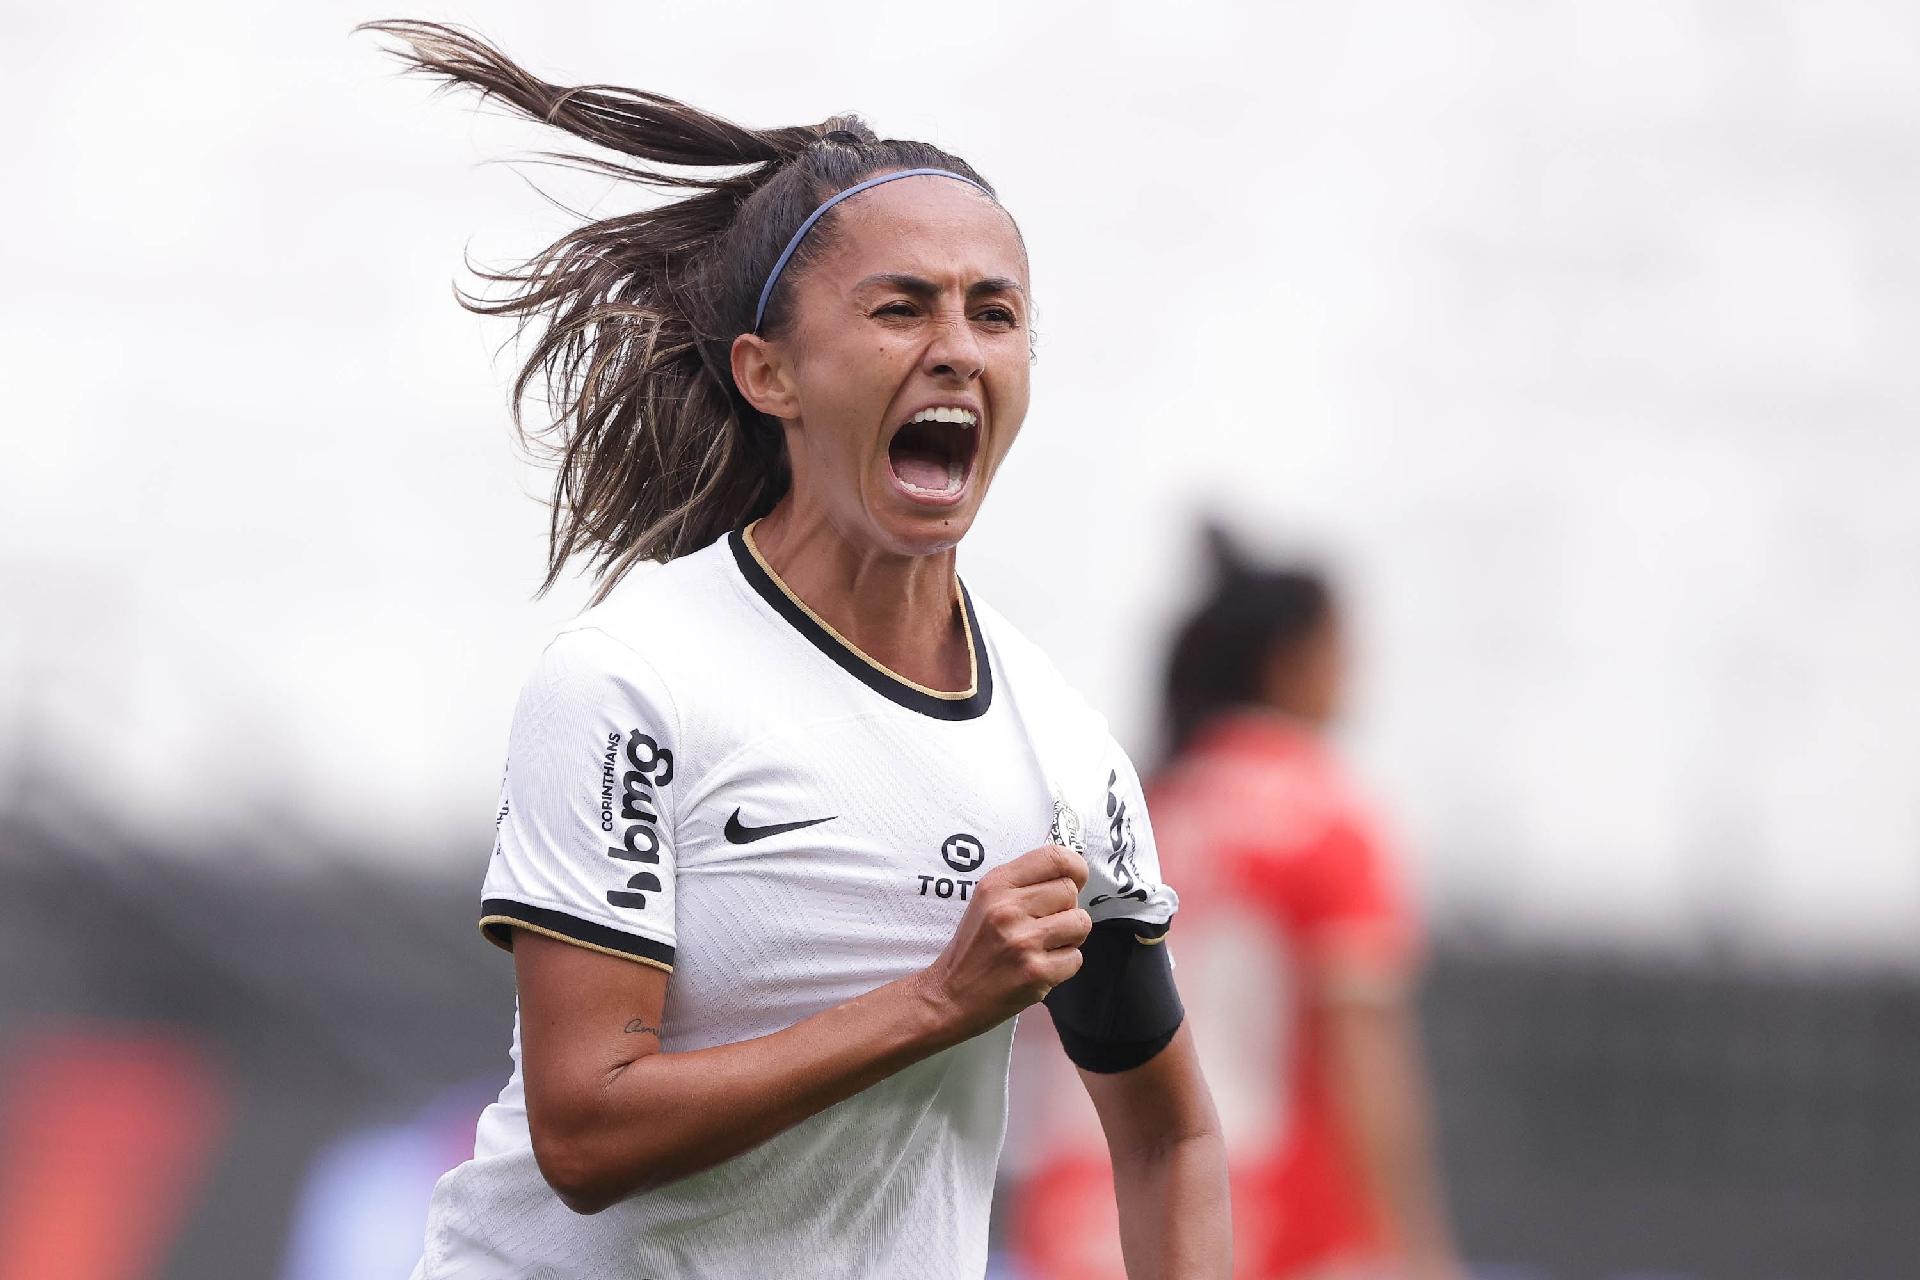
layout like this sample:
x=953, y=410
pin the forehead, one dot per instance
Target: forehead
x=934, y=227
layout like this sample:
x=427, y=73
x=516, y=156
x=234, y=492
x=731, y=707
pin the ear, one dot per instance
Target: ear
x=761, y=371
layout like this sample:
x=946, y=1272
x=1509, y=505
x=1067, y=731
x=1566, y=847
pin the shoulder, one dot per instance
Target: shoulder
x=1254, y=744
x=1041, y=686
x=651, y=629
x=1258, y=784
x=654, y=605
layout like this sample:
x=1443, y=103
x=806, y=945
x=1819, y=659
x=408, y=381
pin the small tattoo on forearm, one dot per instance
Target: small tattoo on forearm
x=639, y=1027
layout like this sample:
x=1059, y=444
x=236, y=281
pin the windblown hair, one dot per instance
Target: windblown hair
x=1220, y=654
x=657, y=452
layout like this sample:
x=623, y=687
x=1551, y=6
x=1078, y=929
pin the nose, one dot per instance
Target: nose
x=954, y=352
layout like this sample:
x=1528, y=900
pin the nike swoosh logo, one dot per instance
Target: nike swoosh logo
x=739, y=832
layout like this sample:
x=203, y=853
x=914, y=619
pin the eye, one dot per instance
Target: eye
x=897, y=309
x=998, y=315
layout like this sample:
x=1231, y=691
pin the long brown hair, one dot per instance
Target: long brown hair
x=657, y=451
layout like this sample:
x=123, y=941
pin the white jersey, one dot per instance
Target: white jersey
x=705, y=777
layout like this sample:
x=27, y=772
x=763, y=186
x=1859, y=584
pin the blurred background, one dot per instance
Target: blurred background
x=1575, y=339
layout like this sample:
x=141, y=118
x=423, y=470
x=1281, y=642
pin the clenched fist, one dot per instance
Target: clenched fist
x=1019, y=939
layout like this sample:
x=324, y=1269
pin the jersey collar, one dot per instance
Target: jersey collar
x=967, y=705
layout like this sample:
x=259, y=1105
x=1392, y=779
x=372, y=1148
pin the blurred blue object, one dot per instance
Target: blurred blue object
x=363, y=1206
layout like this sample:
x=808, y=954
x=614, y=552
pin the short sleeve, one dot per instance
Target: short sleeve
x=585, y=845
x=1353, y=904
x=1123, y=862
x=1342, y=901
x=1121, y=1008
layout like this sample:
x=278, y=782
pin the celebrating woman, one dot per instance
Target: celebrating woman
x=793, y=826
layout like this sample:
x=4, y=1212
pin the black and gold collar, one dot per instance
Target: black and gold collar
x=966, y=705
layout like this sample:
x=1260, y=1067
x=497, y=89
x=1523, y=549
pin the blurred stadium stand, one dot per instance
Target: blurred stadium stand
x=330, y=999
x=1612, y=1116
x=1602, y=1117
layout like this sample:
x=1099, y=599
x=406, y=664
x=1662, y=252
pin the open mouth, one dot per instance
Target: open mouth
x=932, y=452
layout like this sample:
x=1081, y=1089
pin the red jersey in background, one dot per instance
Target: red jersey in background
x=1288, y=899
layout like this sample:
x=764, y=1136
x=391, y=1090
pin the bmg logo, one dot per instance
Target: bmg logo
x=652, y=767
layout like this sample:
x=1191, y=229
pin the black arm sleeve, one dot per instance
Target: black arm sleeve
x=1121, y=1008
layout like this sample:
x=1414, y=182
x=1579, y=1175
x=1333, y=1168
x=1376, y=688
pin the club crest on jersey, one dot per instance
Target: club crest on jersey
x=1066, y=831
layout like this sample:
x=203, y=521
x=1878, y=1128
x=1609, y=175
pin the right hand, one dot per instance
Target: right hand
x=1018, y=939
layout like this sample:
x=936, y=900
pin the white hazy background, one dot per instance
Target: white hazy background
x=1578, y=337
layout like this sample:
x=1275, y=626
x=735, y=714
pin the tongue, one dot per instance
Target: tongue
x=922, y=471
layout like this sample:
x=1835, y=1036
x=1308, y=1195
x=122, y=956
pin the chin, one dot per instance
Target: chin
x=926, y=532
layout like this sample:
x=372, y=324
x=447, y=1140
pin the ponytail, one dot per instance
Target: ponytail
x=657, y=452
x=1220, y=652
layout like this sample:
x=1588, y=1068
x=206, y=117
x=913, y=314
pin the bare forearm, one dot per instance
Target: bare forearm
x=610, y=1114
x=1169, y=1165
x=1174, y=1213
x=731, y=1098
x=1381, y=1086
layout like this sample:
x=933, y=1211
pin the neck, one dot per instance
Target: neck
x=901, y=611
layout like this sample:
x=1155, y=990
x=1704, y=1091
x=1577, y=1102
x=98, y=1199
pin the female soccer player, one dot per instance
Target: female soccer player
x=793, y=826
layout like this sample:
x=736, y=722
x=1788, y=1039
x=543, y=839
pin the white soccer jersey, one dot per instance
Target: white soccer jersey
x=703, y=776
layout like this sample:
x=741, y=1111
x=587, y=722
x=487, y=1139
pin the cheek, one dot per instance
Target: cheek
x=1011, y=396
x=866, y=377
x=848, y=391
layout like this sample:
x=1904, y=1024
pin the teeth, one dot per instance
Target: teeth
x=964, y=417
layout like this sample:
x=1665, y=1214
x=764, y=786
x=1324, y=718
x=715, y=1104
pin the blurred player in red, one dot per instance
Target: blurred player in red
x=1297, y=963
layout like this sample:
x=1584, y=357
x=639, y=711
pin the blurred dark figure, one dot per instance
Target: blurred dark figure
x=1297, y=956
x=1295, y=943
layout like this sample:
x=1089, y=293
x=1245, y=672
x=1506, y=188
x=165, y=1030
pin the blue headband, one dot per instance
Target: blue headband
x=773, y=276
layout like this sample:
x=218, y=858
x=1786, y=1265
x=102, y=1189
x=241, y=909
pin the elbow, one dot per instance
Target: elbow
x=584, y=1201
x=592, y=1159
x=572, y=1174
x=581, y=1176
x=585, y=1206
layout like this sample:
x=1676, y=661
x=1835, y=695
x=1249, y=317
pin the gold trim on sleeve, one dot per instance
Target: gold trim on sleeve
x=557, y=936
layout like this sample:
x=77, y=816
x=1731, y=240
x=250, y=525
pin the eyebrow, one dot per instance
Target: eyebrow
x=921, y=287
